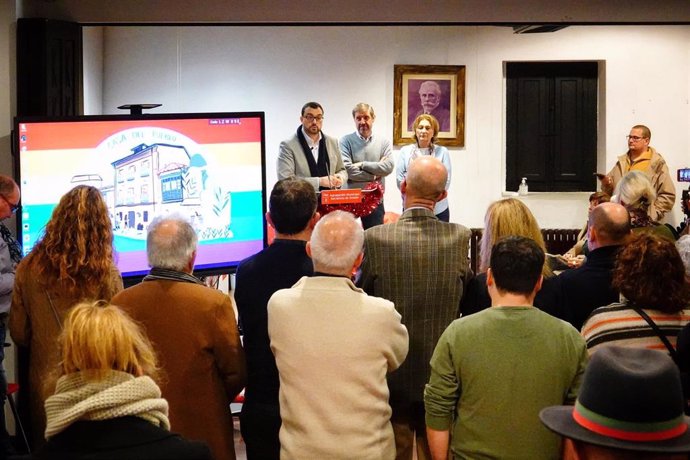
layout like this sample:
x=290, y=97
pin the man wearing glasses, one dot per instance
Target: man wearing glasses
x=642, y=157
x=10, y=255
x=312, y=155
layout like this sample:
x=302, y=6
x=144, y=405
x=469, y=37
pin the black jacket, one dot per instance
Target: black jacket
x=578, y=292
x=121, y=438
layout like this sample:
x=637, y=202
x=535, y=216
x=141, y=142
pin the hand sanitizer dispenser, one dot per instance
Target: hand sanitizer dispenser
x=522, y=189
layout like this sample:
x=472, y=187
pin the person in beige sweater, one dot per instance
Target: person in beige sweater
x=333, y=346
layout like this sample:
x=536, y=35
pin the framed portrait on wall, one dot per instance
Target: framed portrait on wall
x=438, y=90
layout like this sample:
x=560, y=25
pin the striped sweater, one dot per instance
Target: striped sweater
x=618, y=324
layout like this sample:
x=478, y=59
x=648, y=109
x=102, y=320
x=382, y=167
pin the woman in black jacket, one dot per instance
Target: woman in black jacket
x=106, y=403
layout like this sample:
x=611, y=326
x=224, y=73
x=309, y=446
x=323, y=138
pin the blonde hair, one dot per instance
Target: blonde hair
x=635, y=191
x=434, y=125
x=99, y=337
x=509, y=217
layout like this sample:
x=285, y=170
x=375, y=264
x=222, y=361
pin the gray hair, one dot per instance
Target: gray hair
x=430, y=83
x=683, y=246
x=336, y=243
x=170, y=242
x=635, y=191
x=363, y=107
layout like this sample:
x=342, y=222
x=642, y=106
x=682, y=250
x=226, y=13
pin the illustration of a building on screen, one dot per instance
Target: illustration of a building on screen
x=209, y=170
x=162, y=178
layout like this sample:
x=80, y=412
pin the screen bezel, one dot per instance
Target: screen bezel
x=134, y=278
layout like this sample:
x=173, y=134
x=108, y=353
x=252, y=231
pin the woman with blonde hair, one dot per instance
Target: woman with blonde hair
x=106, y=402
x=507, y=217
x=72, y=262
x=425, y=129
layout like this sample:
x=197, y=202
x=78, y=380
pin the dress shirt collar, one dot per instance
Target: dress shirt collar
x=366, y=140
x=310, y=142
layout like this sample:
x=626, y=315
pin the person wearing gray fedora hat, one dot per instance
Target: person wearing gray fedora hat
x=630, y=406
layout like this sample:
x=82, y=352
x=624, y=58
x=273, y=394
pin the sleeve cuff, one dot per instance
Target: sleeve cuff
x=438, y=423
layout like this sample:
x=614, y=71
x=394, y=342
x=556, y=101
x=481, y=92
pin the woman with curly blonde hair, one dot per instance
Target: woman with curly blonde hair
x=107, y=403
x=72, y=262
x=507, y=217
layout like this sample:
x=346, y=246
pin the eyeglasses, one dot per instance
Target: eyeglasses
x=311, y=118
x=13, y=207
x=634, y=138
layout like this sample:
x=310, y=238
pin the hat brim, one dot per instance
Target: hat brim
x=560, y=420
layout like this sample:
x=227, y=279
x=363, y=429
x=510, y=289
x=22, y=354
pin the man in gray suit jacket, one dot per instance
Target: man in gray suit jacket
x=421, y=265
x=312, y=155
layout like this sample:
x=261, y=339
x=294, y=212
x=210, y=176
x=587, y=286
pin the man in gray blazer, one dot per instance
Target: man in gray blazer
x=421, y=265
x=312, y=155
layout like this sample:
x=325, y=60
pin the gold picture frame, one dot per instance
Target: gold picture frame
x=413, y=83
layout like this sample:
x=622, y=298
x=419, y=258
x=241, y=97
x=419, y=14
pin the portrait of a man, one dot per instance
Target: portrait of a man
x=436, y=90
x=430, y=97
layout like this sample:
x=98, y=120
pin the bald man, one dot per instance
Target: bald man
x=578, y=292
x=333, y=346
x=421, y=264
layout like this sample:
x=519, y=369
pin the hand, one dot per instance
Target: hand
x=606, y=180
x=575, y=262
x=358, y=165
x=336, y=181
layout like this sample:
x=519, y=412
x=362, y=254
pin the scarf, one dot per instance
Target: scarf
x=12, y=244
x=119, y=394
x=320, y=168
x=171, y=275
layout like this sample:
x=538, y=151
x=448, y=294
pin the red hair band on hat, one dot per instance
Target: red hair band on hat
x=651, y=431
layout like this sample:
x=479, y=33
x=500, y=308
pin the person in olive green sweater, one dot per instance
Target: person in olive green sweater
x=492, y=372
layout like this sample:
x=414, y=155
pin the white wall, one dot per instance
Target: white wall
x=277, y=69
x=92, y=38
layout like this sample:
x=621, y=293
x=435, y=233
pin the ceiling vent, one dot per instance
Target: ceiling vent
x=538, y=29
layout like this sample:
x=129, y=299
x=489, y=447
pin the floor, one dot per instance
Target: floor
x=240, y=450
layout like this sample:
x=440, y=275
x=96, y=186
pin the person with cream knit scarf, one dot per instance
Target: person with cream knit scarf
x=106, y=404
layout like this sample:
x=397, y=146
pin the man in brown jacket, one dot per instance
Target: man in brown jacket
x=194, y=331
x=641, y=157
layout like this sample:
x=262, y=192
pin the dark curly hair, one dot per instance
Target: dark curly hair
x=650, y=274
x=76, y=251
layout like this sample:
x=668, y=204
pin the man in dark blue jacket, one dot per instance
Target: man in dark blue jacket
x=578, y=292
x=292, y=213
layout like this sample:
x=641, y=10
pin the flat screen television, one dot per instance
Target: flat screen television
x=209, y=167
